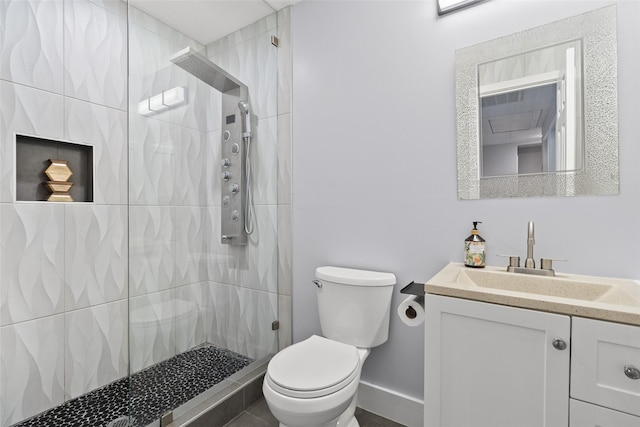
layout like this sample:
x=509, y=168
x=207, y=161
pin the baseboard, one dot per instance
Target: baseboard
x=390, y=404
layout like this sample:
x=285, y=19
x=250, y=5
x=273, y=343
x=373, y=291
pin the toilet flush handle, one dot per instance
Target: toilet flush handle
x=318, y=283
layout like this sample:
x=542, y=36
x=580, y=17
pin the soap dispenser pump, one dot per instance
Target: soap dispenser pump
x=475, y=248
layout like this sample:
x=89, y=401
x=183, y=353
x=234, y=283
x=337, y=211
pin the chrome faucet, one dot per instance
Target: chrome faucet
x=530, y=262
x=546, y=265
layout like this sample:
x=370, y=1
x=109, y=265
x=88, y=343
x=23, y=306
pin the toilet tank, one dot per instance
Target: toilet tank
x=354, y=305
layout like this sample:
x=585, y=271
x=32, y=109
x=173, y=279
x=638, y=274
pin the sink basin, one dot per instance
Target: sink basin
x=539, y=285
x=564, y=293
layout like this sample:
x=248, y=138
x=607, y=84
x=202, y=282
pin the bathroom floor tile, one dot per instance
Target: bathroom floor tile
x=259, y=415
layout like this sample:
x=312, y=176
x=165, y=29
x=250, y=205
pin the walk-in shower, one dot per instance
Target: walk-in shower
x=129, y=305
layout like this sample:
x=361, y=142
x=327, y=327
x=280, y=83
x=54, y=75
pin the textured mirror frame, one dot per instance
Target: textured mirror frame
x=600, y=176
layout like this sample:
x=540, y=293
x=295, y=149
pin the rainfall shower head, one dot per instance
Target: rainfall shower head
x=200, y=66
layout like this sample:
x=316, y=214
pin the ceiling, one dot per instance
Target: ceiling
x=519, y=116
x=209, y=20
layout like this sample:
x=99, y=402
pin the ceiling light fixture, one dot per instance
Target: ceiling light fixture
x=446, y=6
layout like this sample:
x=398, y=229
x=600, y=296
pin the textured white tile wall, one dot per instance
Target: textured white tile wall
x=63, y=267
x=33, y=370
x=29, y=111
x=31, y=46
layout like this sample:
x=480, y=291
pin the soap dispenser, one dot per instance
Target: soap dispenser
x=475, y=248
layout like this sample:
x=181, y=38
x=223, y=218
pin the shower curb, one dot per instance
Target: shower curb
x=222, y=406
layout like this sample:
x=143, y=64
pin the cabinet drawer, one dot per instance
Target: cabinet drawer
x=587, y=415
x=600, y=352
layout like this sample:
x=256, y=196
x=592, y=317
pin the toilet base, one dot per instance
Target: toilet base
x=347, y=419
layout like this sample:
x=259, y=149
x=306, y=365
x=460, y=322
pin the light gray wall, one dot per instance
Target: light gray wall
x=374, y=158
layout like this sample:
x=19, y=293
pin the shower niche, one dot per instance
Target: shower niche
x=34, y=157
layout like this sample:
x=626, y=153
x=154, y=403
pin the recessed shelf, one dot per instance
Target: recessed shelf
x=33, y=155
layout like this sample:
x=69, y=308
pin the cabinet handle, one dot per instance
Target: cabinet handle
x=632, y=372
x=559, y=344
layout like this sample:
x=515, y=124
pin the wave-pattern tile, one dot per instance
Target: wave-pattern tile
x=96, y=245
x=258, y=262
x=31, y=43
x=95, y=54
x=149, y=67
x=223, y=259
x=213, y=173
x=203, y=109
x=261, y=79
x=285, y=256
x=151, y=161
x=284, y=61
x=284, y=159
x=264, y=162
x=191, y=308
x=31, y=261
x=97, y=347
x=151, y=249
x=193, y=231
x=105, y=129
x=152, y=336
x=29, y=111
x=33, y=371
x=193, y=158
x=240, y=320
x=223, y=316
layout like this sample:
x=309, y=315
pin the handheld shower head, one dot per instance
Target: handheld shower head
x=246, y=118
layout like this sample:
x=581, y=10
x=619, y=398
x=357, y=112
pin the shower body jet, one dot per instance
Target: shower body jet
x=236, y=218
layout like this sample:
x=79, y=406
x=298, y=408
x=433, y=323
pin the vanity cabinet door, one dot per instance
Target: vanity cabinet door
x=605, y=364
x=488, y=365
x=587, y=415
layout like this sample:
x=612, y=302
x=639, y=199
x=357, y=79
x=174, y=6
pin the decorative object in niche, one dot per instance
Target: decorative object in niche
x=34, y=156
x=59, y=174
x=588, y=40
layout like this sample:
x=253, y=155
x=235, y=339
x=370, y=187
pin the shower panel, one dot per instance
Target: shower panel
x=236, y=139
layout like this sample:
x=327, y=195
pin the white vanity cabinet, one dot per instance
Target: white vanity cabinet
x=494, y=366
x=605, y=374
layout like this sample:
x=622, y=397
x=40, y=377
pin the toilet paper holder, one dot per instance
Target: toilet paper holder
x=413, y=288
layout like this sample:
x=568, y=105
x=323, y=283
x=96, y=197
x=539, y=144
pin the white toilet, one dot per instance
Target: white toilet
x=315, y=382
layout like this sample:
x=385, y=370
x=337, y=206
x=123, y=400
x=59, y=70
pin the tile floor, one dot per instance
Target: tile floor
x=259, y=415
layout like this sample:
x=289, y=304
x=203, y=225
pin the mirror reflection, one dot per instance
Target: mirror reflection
x=537, y=111
x=531, y=112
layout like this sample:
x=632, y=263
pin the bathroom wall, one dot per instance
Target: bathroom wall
x=374, y=159
x=63, y=267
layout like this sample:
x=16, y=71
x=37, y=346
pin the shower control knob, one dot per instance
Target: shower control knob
x=226, y=175
x=226, y=163
x=226, y=201
x=234, y=188
x=235, y=215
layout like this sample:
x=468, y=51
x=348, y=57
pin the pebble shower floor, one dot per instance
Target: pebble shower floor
x=148, y=394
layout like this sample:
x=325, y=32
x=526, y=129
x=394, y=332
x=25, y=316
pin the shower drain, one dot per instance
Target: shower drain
x=120, y=422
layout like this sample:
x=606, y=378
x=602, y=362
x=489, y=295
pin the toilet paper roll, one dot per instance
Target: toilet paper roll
x=411, y=310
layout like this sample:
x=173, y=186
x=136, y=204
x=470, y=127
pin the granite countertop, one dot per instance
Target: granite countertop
x=602, y=298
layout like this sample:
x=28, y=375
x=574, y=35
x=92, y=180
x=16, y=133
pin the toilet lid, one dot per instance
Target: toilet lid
x=314, y=367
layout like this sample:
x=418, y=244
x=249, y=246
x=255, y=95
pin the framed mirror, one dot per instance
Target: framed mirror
x=537, y=111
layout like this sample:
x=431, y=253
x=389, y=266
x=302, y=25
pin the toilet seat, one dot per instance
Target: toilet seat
x=312, y=368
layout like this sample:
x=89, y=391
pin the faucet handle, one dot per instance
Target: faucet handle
x=514, y=260
x=547, y=263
